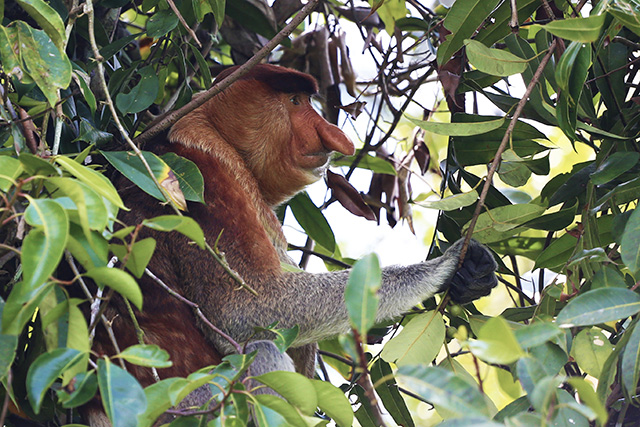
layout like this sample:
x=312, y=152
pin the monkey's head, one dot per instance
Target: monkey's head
x=267, y=117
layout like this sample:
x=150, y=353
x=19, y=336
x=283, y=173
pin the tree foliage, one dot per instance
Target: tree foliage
x=84, y=85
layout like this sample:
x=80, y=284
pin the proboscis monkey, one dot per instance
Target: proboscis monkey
x=257, y=144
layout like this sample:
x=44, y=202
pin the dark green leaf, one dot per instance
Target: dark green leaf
x=84, y=389
x=139, y=257
x=630, y=245
x=45, y=370
x=189, y=176
x=313, y=221
x=89, y=134
x=161, y=22
x=387, y=389
x=40, y=60
x=43, y=247
x=481, y=149
x=123, y=398
x=463, y=19
x=142, y=95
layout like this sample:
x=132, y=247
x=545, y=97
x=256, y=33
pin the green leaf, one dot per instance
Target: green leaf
x=375, y=164
x=21, y=304
x=287, y=411
x=419, y=342
x=85, y=387
x=218, y=6
x=583, y=30
x=89, y=253
x=313, y=221
x=530, y=371
x=127, y=163
x=284, y=338
x=146, y=355
x=361, y=293
x=43, y=247
x=92, y=213
x=497, y=26
x=83, y=80
x=98, y=182
x=119, y=281
x=37, y=58
x=89, y=134
x=45, y=370
x=11, y=169
x=8, y=347
x=387, y=388
x=142, y=95
x=295, y=388
x=445, y=390
x=189, y=176
x=450, y=203
x=599, y=306
x=139, y=257
x=503, y=222
x=536, y=333
x=463, y=19
x=47, y=18
x=181, y=224
x=630, y=368
x=614, y=166
x=481, y=149
x=493, y=61
x=123, y=398
x=496, y=343
x=627, y=13
x=630, y=244
x=608, y=277
x=554, y=221
x=459, y=129
x=333, y=402
x=590, y=349
x=160, y=23
x=589, y=397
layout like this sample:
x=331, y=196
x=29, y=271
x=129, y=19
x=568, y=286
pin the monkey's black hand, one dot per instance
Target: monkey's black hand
x=476, y=277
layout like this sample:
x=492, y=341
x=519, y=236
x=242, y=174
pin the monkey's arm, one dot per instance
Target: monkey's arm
x=315, y=302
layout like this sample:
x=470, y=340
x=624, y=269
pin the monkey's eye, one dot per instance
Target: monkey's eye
x=295, y=100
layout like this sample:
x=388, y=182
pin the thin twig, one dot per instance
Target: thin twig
x=196, y=308
x=364, y=380
x=503, y=145
x=192, y=33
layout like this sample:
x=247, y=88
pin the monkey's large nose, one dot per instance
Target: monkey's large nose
x=333, y=139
